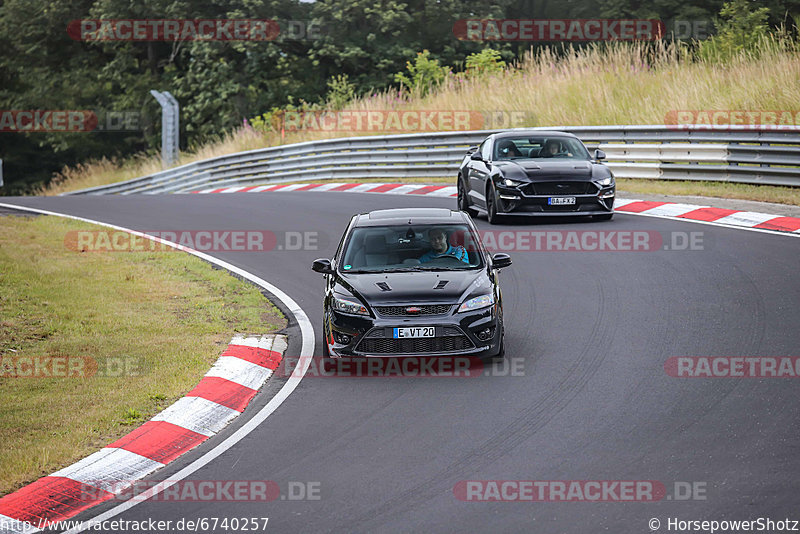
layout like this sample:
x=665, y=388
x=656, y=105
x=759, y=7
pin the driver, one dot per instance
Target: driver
x=507, y=149
x=553, y=148
x=441, y=247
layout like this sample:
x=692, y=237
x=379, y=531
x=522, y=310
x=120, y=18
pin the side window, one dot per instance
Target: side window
x=340, y=248
x=480, y=148
x=485, y=149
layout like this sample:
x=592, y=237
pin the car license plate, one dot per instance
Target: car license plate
x=417, y=331
x=561, y=201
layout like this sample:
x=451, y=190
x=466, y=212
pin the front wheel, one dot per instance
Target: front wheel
x=491, y=206
x=500, y=355
x=325, y=352
x=463, y=201
x=327, y=365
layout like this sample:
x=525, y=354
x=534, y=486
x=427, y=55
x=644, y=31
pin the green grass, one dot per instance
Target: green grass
x=160, y=319
x=730, y=190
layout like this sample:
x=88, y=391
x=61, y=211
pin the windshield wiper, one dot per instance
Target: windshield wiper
x=441, y=268
x=378, y=271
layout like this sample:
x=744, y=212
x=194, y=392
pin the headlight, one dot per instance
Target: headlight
x=477, y=303
x=348, y=306
x=605, y=181
x=511, y=183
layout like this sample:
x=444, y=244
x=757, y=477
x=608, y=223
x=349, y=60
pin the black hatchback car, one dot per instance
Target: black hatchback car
x=535, y=172
x=412, y=282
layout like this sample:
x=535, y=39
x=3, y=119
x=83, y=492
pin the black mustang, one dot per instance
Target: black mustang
x=535, y=172
x=412, y=282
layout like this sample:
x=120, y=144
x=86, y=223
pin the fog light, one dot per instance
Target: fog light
x=485, y=334
x=342, y=339
x=509, y=197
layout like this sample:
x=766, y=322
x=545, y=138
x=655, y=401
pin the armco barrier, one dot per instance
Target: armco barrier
x=729, y=153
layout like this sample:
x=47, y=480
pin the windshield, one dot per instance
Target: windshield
x=539, y=148
x=411, y=248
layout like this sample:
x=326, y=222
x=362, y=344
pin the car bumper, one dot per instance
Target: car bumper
x=515, y=202
x=456, y=334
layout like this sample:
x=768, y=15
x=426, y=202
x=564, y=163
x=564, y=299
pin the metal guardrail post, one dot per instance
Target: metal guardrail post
x=175, y=138
x=170, y=127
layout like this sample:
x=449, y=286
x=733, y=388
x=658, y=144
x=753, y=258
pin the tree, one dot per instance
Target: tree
x=740, y=29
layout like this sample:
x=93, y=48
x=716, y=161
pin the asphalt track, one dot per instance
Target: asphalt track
x=592, y=331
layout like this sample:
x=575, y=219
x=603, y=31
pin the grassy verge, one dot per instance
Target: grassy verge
x=760, y=193
x=153, y=323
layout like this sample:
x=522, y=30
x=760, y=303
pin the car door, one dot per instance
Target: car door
x=479, y=173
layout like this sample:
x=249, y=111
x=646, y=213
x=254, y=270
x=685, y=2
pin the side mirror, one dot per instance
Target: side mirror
x=501, y=260
x=323, y=266
x=476, y=156
x=599, y=154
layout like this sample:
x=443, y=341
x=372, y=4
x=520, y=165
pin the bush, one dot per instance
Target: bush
x=340, y=91
x=425, y=74
x=486, y=61
x=740, y=30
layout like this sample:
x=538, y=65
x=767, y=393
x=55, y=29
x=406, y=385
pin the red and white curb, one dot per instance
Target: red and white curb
x=691, y=212
x=719, y=216
x=393, y=189
x=221, y=396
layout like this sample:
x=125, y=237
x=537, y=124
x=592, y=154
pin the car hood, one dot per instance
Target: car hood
x=547, y=169
x=417, y=287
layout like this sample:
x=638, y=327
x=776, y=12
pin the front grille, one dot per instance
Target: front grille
x=398, y=311
x=561, y=188
x=419, y=345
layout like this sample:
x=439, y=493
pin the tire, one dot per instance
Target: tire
x=326, y=354
x=604, y=217
x=501, y=354
x=463, y=201
x=327, y=364
x=491, y=206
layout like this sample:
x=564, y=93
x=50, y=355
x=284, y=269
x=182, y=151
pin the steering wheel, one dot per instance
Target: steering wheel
x=440, y=258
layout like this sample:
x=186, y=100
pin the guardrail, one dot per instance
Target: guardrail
x=731, y=153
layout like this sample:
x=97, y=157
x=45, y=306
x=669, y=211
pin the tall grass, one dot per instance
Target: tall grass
x=611, y=83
